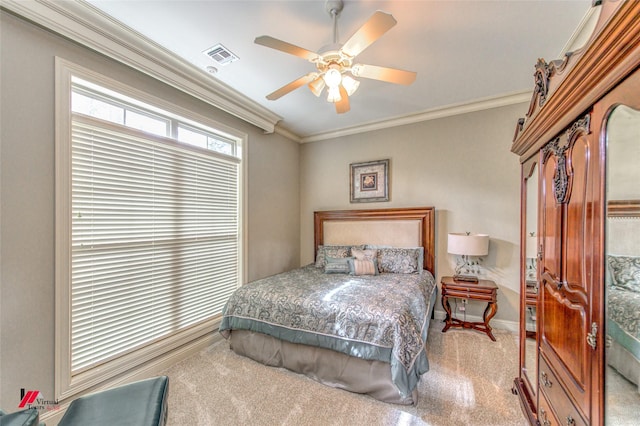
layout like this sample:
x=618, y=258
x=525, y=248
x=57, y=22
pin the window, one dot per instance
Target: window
x=148, y=205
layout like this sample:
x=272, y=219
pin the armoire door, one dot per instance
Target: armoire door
x=570, y=190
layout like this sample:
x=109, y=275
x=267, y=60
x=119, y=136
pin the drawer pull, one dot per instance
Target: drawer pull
x=545, y=380
x=570, y=421
x=543, y=417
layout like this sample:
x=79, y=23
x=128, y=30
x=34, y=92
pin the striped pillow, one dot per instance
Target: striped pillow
x=363, y=267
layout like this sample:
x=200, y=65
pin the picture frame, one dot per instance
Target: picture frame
x=369, y=181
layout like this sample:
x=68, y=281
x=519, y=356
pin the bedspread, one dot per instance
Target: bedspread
x=383, y=317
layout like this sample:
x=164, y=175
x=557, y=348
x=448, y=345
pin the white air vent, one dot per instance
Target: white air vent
x=220, y=54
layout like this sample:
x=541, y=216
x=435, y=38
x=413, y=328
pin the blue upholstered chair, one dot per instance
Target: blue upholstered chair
x=142, y=403
x=28, y=417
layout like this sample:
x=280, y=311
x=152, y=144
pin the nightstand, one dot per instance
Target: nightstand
x=531, y=303
x=483, y=290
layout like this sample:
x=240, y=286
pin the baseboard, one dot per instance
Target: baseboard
x=511, y=326
x=150, y=369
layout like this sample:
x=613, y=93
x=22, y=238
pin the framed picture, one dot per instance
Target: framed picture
x=369, y=181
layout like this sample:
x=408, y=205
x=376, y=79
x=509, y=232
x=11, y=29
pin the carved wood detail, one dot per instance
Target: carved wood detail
x=542, y=76
x=584, y=76
x=558, y=147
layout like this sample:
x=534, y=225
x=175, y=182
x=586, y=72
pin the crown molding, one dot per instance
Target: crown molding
x=582, y=32
x=283, y=131
x=85, y=24
x=431, y=114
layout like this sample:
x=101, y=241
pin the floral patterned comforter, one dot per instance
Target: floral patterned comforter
x=383, y=317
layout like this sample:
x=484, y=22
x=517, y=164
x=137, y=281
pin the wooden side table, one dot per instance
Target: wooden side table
x=531, y=303
x=484, y=290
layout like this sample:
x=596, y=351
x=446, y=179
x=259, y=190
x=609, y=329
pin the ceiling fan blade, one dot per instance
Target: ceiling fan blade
x=342, y=105
x=376, y=26
x=285, y=47
x=390, y=75
x=305, y=79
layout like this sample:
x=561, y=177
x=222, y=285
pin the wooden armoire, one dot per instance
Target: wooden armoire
x=562, y=143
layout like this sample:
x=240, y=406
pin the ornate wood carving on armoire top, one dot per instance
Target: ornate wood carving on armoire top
x=566, y=187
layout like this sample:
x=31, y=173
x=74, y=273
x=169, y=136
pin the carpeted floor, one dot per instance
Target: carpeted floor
x=469, y=383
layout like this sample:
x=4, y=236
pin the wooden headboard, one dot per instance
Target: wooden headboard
x=623, y=208
x=398, y=227
x=623, y=227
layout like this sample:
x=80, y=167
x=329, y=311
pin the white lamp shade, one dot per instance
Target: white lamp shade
x=350, y=85
x=317, y=85
x=468, y=244
x=333, y=94
x=332, y=77
x=531, y=247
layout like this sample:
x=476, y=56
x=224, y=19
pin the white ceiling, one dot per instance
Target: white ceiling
x=462, y=51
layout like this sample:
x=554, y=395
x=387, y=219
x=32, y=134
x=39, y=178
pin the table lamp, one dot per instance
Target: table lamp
x=465, y=245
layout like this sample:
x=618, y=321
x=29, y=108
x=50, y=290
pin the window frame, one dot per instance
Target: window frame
x=66, y=383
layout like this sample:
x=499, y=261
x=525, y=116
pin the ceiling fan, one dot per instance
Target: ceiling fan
x=334, y=63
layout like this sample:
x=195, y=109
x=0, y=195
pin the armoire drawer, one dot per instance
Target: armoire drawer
x=545, y=414
x=557, y=398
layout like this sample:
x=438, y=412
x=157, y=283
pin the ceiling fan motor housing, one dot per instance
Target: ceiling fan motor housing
x=334, y=7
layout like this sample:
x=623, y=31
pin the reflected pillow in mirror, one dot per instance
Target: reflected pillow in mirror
x=625, y=271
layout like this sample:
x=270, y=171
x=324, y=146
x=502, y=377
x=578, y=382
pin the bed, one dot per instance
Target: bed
x=358, y=317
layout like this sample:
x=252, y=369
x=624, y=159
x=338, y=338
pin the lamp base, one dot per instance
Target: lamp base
x=466, y=278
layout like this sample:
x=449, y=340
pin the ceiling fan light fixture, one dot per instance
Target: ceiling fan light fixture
x=333, y=94
x=316, y=86
x=332, y=77
x=350, y=84
x=334, y=63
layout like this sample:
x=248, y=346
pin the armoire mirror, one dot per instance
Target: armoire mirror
x=530, y=276
x=622, y=263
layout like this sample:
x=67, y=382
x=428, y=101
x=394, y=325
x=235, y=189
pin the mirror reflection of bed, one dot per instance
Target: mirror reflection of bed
x=622, y=263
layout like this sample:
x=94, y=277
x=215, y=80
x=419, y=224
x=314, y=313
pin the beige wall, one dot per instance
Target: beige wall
x=27, y=196
x=462, y=165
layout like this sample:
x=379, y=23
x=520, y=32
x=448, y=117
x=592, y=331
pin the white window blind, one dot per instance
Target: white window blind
x=155, y=238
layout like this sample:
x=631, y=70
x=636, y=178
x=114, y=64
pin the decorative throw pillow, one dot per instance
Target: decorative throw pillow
x=330, y=251
x=400, y=260
x=361, y=254
x=363, y=266
x=625, y=271
x=337, y=251
x=335, y=265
